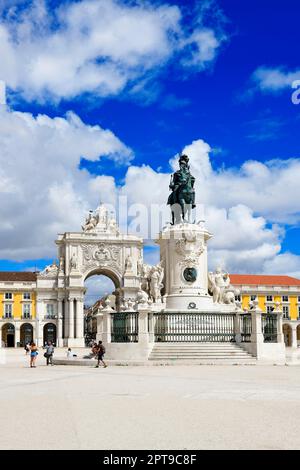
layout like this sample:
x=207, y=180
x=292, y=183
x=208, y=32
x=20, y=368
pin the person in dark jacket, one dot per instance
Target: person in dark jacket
x=49, y=353
x=100, y=354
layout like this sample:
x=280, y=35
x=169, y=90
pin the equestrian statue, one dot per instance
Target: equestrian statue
x=182, y=197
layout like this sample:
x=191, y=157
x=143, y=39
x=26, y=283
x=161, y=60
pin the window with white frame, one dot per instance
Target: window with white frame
x=26, y=310
x=238, y=298
x=285, y=311
x=27, y=296
x=285, y=298
x=253, y=297
x=270, y=309
x=8, y=296
x=298, y=298
x=8, y=310
x=50, y=310
x=299, y=312
x=269, y=298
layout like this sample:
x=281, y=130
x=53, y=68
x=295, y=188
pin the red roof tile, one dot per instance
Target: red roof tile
x=263, y=280
x=11, y=276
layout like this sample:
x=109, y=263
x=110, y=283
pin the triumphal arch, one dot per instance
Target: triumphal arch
x=99, y=248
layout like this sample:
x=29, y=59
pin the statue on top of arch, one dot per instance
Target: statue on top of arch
x=100, y=221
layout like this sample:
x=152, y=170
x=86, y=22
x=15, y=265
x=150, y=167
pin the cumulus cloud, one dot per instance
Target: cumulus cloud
x=246, y=208
x=274, y=79
x=43, y=191
x=97, y=46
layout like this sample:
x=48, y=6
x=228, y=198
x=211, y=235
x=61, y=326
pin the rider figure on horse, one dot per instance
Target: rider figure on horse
x=182, y=197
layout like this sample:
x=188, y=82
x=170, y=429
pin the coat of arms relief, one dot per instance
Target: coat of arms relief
x=101, y=255
x=189, y=247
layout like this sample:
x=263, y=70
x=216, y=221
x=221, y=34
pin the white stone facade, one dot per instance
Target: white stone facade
x=98, y=249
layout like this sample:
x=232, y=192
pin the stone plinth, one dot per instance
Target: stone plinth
x=183, y=251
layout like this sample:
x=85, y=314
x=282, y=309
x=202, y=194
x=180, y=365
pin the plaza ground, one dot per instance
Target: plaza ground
x=175, y=407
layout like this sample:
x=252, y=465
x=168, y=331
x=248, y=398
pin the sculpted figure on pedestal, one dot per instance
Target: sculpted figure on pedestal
x=142, y=297
x=219, y=285
x=182, y=197
x=50, y=270
x=156, y=277
x=91, y=222
x=73, y=262
x=62, y=264
x=113, y=227
x=128, y=264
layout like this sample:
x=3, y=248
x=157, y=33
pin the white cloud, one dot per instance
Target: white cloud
x=43, y=191
x=284, y=263
x=274, y=79
x=245, y=208
x=97, y=46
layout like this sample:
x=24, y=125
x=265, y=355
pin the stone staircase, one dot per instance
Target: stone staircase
x=200, y=353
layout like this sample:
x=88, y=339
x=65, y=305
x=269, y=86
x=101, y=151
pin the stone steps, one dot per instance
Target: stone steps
x=201, y=352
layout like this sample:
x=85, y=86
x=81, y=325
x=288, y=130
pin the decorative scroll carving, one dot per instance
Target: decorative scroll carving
x=101, y=255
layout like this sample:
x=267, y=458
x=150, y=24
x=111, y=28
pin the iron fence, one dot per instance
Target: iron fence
x=245, y=327
x=269, y=327
x=194, y=327
x=124, y=327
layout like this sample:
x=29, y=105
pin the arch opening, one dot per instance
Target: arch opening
x=298, y=334
x=49, y=333
x=8, y=335
x=287, y=334
x=101, y=287
x=26, y=334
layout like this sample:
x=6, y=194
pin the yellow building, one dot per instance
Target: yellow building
x=19, y=297
x=18, y=307
x=268, y=290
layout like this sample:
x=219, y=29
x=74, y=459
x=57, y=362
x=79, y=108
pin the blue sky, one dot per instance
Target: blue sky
x=236, y=97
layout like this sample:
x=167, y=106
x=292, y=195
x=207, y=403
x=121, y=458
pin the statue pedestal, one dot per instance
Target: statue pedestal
x=183, y=250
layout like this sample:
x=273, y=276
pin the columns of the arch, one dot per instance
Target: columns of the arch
x=71, y=318
x=294, y=336
x=79, y=319
x=59, y=331
x=17, y=335
x=74, y=321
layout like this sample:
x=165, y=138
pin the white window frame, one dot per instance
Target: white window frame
x=269, y=309
x=28, y=313
x=48, y=314
x=10, y=313
x=8, y=296
x=286, y=311
x=268, y=298
x=282, y=298
x=254, y=297
x=26, y=293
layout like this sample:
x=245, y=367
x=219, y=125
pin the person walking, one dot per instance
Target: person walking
x=33, y=354
x=27, y=348
x=49, y=353
x=100, y=354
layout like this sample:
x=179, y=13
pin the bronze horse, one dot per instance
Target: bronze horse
x=182, y=197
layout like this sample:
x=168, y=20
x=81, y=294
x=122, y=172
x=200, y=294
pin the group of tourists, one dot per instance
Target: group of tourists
x=31, y=349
